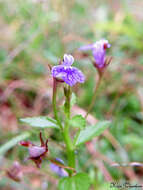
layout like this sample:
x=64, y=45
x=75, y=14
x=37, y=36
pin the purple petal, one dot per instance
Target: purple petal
x=101, y=43
x=99, y=56
x=70, y=75
x=99, y=51
x=70, y=80
x=59, y=160
x=87, y=47
x=58, y=71
x=78, y=75
x=108, y=45
x=36, y=151
x=68, y=60
x=57, y=169
x=73, y=76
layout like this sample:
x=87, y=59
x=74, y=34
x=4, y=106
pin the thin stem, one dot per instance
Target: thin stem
x=94, y=96
x=69, y=149
x=68, y=141
x=65, y=130
x=54, y=102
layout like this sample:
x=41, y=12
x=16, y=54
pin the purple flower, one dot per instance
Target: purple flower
x=70, y=75
x=57, y=169
x=36, y=153
x=99, y=52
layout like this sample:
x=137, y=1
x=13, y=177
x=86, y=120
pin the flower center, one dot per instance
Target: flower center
x=67, y=67
x=105, y=46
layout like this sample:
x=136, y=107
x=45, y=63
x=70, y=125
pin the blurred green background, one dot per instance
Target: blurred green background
x=35, y=33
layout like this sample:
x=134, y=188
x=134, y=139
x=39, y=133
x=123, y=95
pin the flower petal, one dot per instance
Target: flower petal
x=99, y=56
x=57, y=169
x=70, y=75
x=87, y=47
x=73, y=76
x=58, y=71
x=68, y=60
x=69, y=79
x=36, y=151
x=78, y=75
x=99, y=51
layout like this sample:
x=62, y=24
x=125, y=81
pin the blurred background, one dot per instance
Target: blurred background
x=35, y=33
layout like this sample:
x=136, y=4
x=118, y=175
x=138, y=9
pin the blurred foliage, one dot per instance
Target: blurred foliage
x=35, y=33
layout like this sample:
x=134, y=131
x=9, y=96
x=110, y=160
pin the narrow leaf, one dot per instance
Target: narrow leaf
x=40, y=121
x=5, y=147
x=91, y=131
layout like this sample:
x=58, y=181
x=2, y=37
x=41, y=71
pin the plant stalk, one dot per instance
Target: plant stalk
x=68, y=141
x=54, y=103
x=94, y=96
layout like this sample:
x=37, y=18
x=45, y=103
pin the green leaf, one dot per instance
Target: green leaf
x=91, y=131
x=4, y=148
x=78, y=121
x=40, y=121
x=80, y=181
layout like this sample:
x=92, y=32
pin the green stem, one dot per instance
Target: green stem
x=94, y=96
x=68, y=141
x=65, y=130
x=54, y=103
x=69, y=149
